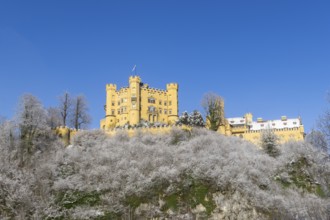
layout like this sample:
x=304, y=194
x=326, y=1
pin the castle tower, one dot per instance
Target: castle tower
x=110, y=115
x=248, y=118
x=173, y=108
x=134, y=100
x=138, y=102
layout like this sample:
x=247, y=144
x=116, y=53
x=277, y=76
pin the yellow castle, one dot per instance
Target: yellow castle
x=285, y=129
x=138, y=102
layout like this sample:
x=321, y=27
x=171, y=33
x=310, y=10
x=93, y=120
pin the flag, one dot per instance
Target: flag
x=134, y=68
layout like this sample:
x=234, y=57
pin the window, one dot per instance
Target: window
x=151, y=109
x=151, y=100
x=273, y=124
x=118, y=103
x=160, y=111
x=112, y=103
x=294, y=122
x=118, y=112
x=170, y=103
x=165, y=103
x=165, y=112
x=170, y=112
x=160, y=102
x=285, y=123
x=262, y=125
x=112, y=112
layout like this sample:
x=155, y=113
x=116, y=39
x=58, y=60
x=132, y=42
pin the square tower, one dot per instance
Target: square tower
x=138, y=102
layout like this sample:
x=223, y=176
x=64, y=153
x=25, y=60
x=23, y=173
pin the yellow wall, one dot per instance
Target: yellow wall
x=65, y=133
x=130, y=105
x=284, y=135
x=153, y=130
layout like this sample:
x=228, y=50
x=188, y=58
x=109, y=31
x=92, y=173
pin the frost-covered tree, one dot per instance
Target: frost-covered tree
x=213, y=105
x=184, y=118
x=65, y=107
x=31, y=118
x=54, y=118
x=80, y=117
x=324, y=123
x=317, y=139
x=194, y=119
x=2, y=119
x=179, y=175
x=269, y=142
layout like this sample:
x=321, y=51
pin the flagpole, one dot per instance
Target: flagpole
x=134, y=69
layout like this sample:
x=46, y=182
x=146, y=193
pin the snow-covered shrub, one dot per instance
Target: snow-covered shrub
x=180, y=175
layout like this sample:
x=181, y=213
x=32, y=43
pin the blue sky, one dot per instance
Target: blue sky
x=271, y=58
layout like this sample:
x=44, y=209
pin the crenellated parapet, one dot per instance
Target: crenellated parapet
x=161, y=129
x=171, y=86
x=111, y=87
x=134, y=79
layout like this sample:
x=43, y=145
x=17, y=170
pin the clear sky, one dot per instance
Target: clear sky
x=271, y=58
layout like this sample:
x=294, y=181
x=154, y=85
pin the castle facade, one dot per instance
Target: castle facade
x=138, y=102
x=285, y=129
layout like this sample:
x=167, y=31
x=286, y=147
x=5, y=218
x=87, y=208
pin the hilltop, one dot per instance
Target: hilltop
x=181, y=175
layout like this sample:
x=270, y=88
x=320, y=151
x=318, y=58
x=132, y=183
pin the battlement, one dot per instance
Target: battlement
x=134, y=79
x=161, y=129
x=156, y=90
x=172, y=86
x=111, y=86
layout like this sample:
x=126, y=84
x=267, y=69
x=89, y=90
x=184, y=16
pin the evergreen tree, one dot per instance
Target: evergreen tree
x=194, y=119
x=269, y=143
